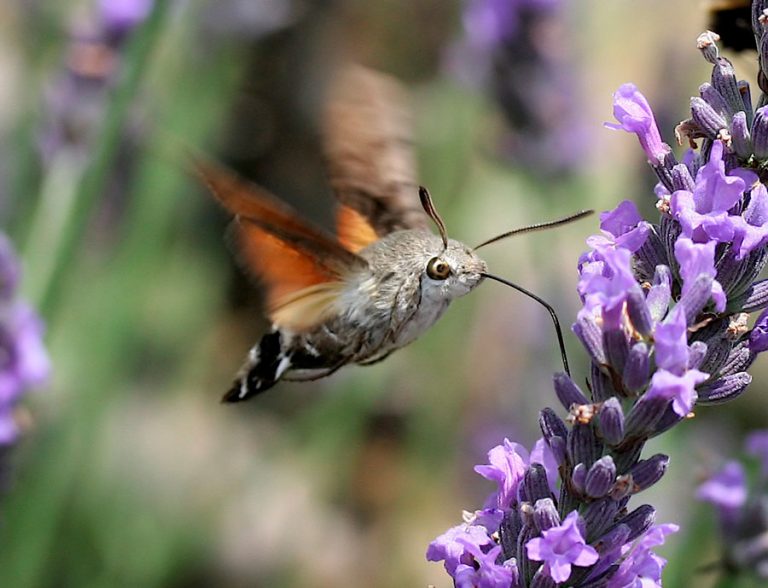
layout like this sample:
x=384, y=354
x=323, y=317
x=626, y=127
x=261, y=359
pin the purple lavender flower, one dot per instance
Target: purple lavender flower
x=560, y=548
x=508, y=463
x=640, y=566
x=622, y=227
x=484, y=572
x=452, y=546
x=704, y=212
x=634, y=114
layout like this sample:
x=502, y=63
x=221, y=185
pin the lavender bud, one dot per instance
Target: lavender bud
x=746, y=100
x=600, y=477
x=627, y=455
x=740, y=139
x=724, y=389
x=718, y=350
x=663, y=170
x=542, y=580
x=643, y=416
x=622, y=487
x=638, y=311
x=650, y=255
x=660, y=294
x=668, y=420
x=602, y=387
x=760, y=134
x=611, y=421
x=613, y=539
x=545, y=514
x=682, y=179
x=579, y=478
x=755, y=298
x=616, y=349
x=599, y=516
x=535, y=486
x=713, y=98
x=509, y=529
x=706, y=42
x=555, y=433
x=670, y=230
x=636, y=370
x=724, y=81
x=568, y=392
x=697, y=297
x=591, y=336
x=583, y=446
x=639, y=521
x=647, y=472
x=523, y=563
x=709, y=122
x=739, y=359
x=697, y=351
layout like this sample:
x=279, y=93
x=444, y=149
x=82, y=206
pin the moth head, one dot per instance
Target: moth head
x=453, y=269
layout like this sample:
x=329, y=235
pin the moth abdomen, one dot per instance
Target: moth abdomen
x=266, y=362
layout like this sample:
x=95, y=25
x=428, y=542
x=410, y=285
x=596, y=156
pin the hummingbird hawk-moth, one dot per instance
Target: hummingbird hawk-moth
x=377, y=284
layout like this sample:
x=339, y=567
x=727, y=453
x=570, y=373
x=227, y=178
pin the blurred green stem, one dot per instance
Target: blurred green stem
x=53, y=259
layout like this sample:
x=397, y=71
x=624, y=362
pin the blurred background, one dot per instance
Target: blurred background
x=130, y=472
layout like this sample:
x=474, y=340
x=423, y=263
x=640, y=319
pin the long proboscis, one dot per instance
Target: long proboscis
x=537, y=227
x=545, y=304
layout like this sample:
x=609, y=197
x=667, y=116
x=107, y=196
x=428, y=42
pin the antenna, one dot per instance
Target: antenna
x=546, y=305
x=429, y=208
x=537, y=227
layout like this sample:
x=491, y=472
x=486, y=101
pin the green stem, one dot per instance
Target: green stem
x=55, y=262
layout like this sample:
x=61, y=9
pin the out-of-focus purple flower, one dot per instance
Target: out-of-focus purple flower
x=120, y=17
x=727, y=489
x=451, y=546
x=560, y=548
x=518, y=51
x=24, y=361
x=634, y=114
x=486, y=573
x=508, y=463
x=622, y=227
x=704, y=213
x=757, y=445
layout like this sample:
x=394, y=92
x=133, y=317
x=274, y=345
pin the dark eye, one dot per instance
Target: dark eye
x=437, y=269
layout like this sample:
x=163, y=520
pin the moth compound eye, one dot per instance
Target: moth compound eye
x=437, y=269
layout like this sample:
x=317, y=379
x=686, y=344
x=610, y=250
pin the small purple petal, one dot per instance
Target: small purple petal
x=634, y=114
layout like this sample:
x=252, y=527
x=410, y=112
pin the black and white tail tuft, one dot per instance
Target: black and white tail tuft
x=266, y=362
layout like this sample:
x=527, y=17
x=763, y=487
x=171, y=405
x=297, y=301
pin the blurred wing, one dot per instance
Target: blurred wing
x=368, y=147
x=304, y=270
